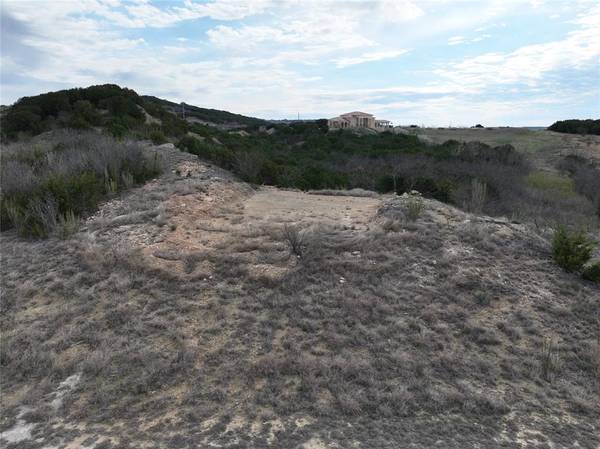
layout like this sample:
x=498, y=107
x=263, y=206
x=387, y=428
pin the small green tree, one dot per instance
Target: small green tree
x=571, y=250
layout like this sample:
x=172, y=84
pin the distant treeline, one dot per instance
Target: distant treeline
x=576, y=126
x=209, y=115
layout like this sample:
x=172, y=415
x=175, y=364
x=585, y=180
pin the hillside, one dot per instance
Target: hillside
x=207, y=116
x=120, y=111
x=168, y=283
x=198, y=311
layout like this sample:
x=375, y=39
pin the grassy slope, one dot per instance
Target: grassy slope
x=543, y=147
x=438, y=332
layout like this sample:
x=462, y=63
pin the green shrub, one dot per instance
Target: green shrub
x=571, y=250
x=592, y=273
x=157, y=137
x=116, y=129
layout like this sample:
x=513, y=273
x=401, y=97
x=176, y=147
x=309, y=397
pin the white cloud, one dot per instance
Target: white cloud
x=455, y=40
x=369, y=57
x=528, y=64
x=281, y=62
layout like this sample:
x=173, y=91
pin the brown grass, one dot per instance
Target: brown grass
x=434, y=331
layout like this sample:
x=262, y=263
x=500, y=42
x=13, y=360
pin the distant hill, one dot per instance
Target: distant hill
x=215, y=116
x=117, y=109
x=106, y=105
x=576, y=126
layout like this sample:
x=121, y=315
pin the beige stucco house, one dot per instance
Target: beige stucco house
x=358, y=119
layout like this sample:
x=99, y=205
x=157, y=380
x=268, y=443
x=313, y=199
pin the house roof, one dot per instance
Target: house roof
x=356, y=113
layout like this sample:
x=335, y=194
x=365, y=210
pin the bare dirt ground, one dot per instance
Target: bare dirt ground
x=205, y=208
x=179, y=316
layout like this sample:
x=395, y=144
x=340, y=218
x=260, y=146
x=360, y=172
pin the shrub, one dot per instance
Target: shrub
x=592, y=272
x=67, y=225
x=218, y=154
x=46, y=185
x=571, y=250
x=550, y=362
x=478, y=195
x=295, y=238
x=414, y=208
x=157, y=137
x=248, y=165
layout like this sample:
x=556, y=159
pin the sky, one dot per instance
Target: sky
x=433, y=63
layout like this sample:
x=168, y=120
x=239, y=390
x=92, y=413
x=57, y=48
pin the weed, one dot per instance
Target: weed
x=67, y=224
x=414, y=208
x=549, y=360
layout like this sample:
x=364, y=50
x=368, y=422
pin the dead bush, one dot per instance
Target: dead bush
x=295, y=238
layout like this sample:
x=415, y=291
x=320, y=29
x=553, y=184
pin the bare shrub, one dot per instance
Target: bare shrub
x=478, y=195
x=414, y=208
x=295, y=238
x=127, y=179
x=248, y=165
x=549, y=360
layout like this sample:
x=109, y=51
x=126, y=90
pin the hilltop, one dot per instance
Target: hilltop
x=119, y=110
x=198, y=310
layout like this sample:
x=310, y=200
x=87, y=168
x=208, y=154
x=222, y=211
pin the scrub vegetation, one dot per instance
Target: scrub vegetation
x=576, y=126
x=368, y=336
x=390, y=291
x=48, y=183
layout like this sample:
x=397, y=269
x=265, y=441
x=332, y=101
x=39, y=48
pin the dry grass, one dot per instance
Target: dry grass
x=432, y=332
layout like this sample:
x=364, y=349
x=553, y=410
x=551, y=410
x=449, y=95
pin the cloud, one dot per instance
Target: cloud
x=369, y=57
x=14, y=37
x=455, y=40
x=274, y=58
x=528, y=64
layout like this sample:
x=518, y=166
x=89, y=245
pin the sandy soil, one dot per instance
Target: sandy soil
x=286, y=206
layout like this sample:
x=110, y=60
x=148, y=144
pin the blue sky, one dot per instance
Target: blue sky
x=441, y=63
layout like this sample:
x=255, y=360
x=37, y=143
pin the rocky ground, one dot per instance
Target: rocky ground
x=199, y=311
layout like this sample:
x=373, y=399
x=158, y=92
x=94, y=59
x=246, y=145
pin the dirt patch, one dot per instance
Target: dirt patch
x=289, y=206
